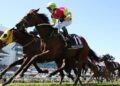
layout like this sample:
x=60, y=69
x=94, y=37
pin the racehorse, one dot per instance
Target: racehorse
x=55, y=45
x=31, y=46
x=100, y=72
x=9, y=35
x=17, y=36
x=111, y=65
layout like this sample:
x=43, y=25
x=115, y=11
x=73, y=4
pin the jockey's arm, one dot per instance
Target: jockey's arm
x=67, y=14
x=53, y=21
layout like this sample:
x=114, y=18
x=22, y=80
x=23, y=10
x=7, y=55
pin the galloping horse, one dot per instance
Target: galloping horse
x=55, y=45
x=100, y=72
x=111, y=65
x=31, y=46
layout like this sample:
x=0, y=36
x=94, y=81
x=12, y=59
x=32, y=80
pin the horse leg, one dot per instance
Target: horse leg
x=32, y=61
x=10, y=66
x=76, y=72
x=85, y=71
x=17, y=72
x=40, y=70
x=62, y=77
x=77, y=78
x=37, y=68
x=60, y=66
x=59, y=63
x=68, y=71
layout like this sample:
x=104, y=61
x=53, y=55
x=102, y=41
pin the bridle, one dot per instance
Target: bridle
x=26, y=21
x=30, y=42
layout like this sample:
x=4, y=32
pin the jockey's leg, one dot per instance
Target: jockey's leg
x=65, y=32
x=62, y=25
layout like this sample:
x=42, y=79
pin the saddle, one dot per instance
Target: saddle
x=72, y=41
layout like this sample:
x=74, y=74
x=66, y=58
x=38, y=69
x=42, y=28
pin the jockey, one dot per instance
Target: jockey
x=61, y=17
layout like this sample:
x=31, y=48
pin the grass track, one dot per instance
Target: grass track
x=65, y=84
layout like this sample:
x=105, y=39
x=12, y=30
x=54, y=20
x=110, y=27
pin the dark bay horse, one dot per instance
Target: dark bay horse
x=100, y=72
x=31, y=46
x=55, y=45
x=111, y=65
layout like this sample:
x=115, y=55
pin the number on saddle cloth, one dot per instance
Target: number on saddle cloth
x=75, y=41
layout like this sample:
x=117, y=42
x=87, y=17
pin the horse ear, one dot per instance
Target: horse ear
x=37, y=10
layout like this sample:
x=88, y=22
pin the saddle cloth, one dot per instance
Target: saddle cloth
x=115, y=64
x=75, y=41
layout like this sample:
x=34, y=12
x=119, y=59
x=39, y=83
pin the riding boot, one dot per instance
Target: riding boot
x=65, y=32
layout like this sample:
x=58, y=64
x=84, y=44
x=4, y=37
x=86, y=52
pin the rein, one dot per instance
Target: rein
x=27, y=44
x=43, y=24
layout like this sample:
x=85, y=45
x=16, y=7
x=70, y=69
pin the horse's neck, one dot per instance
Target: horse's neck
x=24, y=40
x=44, y=30
x=32, y=46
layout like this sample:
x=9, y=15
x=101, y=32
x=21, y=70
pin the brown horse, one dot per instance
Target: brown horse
x=100, y=72
x=55, y=45
x=111, y=65
x=26, y=41
x=71, y=65
x=26, y=47
x=31, y=46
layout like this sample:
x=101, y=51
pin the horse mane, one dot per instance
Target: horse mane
x=44, y=17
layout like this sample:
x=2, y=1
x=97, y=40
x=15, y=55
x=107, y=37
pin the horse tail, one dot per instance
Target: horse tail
x=92, y=55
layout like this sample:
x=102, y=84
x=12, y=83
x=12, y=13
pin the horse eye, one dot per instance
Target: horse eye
x=5, y=35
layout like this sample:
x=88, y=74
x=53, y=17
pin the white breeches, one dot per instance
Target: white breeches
x=60, y=25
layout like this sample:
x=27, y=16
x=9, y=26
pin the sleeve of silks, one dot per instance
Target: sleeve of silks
x=53, y=20
x=67, y=13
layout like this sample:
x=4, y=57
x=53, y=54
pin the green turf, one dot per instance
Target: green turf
x=64, y=84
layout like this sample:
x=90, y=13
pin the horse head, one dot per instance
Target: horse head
x=6, y=38
x=39, y=20
x=32, y=18
x=14, y=35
